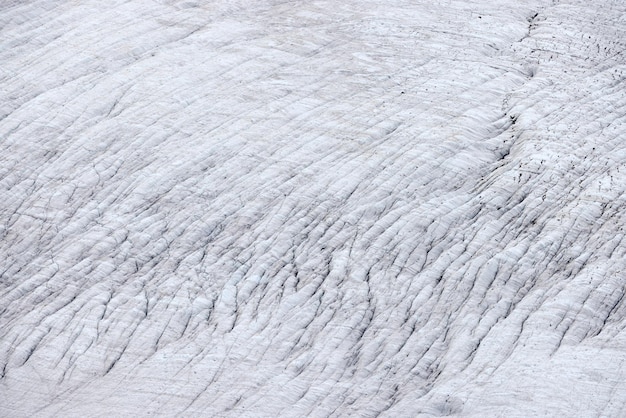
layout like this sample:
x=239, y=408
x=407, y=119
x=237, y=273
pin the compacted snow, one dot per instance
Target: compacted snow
x=312, y=208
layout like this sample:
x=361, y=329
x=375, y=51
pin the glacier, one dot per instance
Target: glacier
x=312, y=208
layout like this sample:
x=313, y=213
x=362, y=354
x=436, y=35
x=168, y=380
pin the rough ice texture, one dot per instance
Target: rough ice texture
x=325, y=208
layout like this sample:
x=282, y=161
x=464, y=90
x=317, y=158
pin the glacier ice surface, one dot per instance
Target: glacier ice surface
x=322, y=208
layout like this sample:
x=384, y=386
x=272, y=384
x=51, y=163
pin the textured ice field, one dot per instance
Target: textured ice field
x=312, y=208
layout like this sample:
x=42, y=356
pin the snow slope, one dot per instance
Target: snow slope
x=323, y=208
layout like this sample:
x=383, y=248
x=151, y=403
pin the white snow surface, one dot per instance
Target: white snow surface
x=312, y=208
